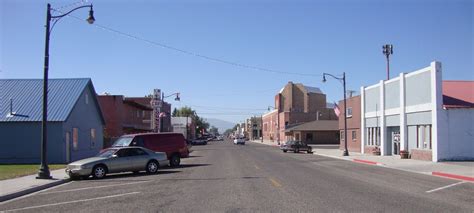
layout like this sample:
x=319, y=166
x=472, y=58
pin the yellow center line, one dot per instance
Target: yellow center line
x=274, y=182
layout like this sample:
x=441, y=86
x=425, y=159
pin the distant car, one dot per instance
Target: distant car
x=220, y=138
x=115, y=160
x=239, y=140
x=173, y=144
x=296, y=146
x=199, y=141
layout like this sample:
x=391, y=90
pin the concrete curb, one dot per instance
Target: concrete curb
x=368, y=162
x=33, y=189
x=438, y=174
x=453, y=176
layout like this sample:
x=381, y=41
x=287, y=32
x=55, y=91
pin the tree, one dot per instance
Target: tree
x=201, y=124
x=214, y=130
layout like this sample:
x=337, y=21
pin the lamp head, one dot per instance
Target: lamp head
x=91, y=18
x=177, y=97
x=324, y=78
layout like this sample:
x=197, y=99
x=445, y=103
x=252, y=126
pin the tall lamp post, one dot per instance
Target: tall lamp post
x=43, y=172
x=177, y=98
x=343, y=79
x=387, y=51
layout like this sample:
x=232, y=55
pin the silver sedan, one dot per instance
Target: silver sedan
x=119, y=159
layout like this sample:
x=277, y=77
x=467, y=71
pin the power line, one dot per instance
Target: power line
x=225, y=108
x=70, y=5
x=195, y=54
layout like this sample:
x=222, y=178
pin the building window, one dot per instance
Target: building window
x=68, y=147
x=373, y=136
x=138, y=113
x=349, y=112
x=75, y=138
x=87, y=98
x=143, y=113
x=423, y=139
x=354, y=135
x=93, y=138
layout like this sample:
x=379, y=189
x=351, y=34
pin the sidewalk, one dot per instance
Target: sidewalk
x=456, y=170
x=16, y=187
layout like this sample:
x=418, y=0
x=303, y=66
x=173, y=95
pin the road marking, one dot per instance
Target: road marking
x=445, y=187
x=257, y=167
x=95, y=187
x=75, y=201
x=274, y=182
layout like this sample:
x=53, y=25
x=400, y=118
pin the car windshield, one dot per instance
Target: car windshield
x=122, y=141
x=106, y=153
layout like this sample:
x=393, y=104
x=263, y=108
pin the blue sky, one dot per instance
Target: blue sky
x=309, y=37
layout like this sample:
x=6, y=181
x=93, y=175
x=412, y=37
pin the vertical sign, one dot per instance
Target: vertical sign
x=155, y=104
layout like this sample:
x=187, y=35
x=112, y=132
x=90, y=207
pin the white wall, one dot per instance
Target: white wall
x=460, y=135
x=179, y=124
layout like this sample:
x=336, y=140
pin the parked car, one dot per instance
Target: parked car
x=239, y=140
x=199, y=141
x=296, y=146
x=115, y=160
x=173, y=144
x=220, y=138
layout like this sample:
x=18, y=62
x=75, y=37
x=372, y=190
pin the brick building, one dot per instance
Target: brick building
x=353, y=123
x=165, y=108
x=128, y=115
x=295, y=104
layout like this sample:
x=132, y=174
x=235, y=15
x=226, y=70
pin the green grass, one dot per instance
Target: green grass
x=18, y=170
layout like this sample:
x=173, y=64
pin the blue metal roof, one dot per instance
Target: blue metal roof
x=27, y=96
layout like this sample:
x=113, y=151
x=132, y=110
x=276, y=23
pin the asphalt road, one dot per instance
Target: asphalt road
x=222, y=177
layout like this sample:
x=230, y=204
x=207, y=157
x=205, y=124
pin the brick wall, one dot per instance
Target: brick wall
x=353, y=124
x=112, y=109
x=353, y=145
x=419, y=154
x=269, y=126
x=369, y=149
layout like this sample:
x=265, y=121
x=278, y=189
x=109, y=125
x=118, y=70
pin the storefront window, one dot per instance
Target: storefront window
x=423, y=137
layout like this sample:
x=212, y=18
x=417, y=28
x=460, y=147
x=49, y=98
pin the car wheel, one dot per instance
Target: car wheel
x=175, y=160
x=152, y=167
x=297, y=150
x=285, y=150
x=99, y=171
x=310, y=151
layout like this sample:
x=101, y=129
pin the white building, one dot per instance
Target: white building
x=408, y=113
x=179, y=125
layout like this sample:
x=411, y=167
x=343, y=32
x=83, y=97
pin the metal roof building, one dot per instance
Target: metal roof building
x=75, y=121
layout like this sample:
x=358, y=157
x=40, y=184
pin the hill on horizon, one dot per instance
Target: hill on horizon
x=220, y=124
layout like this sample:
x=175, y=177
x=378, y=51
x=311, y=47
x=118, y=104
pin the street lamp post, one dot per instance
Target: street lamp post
x=177, y=98
x=43, y=172
x=387, y=51
x=343, y=79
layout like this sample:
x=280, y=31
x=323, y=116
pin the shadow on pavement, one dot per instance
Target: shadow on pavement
x=186, y=166
x=118, y=176
x=222, y=178
x=194, y=156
